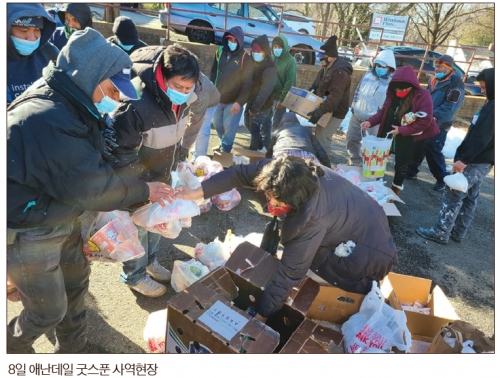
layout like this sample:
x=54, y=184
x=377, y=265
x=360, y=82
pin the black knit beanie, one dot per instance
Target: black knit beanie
x=330, y=47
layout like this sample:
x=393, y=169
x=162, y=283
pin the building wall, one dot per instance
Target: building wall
x=306, y=73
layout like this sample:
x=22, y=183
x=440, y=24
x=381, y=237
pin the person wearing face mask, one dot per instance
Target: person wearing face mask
x=125, y=35
x=28, y=46
x=147, y=143
x=76, y=16
x=232, y=75
x=404, y=96
x=321, y=210
x=286, y=76
x=258, y=111
x=368, y=99
x=447, y=92
x=333, y=82
x=57, y=169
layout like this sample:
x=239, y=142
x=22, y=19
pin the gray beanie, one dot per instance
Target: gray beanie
x=88, y=59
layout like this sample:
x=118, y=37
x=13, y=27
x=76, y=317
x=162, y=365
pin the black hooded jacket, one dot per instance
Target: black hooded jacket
x=232, y=70
x=478, y=146
x=291, y=135
x=264, y=76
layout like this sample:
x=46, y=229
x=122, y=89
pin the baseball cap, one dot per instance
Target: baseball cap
x=122, y=82
x=445, y=60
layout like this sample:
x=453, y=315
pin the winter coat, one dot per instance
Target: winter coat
x=81, y=12
x=370, y=95
x=339, y=211
x=291, y=135
x=421, y=101
x=335, y=83
x=55, y=160
x=22, y=71
x=264, y=76
x=232, y=70
x=286, y=70
x=208, y=97
x=447, y=97
x=478, y=146
x=116, y=41
x=148, y=133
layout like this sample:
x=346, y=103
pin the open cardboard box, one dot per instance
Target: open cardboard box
x=399, y=288
x=210, y=316
x=390, y=208
x=302, y=102
x=226, y=158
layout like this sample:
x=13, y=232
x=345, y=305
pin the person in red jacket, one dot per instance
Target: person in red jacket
x=405, y=97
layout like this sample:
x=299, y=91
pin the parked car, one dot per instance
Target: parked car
x=297, y=22
x=470, y=88
x=212, y=15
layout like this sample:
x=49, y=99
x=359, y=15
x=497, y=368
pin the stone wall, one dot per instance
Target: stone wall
x=306, y=73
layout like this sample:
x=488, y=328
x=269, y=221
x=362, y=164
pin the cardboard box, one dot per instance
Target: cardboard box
x=194, y=322
x=399, y=288
x=226, y=158
x=390, y=208
x=302, y=102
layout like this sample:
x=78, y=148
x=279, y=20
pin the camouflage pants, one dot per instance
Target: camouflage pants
x=458, y=208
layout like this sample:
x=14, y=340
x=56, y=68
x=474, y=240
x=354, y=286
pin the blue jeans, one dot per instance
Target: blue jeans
x=134, y=270
x=432, y=151
x=259, y=126
x=50, y=272
x=226, y=125
x=203, y=138
x=277, y=115
x=458, y=208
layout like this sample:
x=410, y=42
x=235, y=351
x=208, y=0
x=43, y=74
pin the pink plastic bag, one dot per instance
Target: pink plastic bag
x=227, y=201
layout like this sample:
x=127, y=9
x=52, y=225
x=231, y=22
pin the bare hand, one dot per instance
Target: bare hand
x=279, y=105
x=458, y=166
x=235, y=108
x=395, y=131
x=365, y=125
x=260, y=318
x=189, y=194
x=159, y=191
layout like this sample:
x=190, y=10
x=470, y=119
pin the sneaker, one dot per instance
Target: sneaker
x=89, y=348
x=158, y=272
x=456, y=239
x=439, y=186
x=429, y=234
x=263, y=149
x=149, y=287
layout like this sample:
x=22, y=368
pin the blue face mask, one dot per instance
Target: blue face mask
x=25, y=47
x=232, y=46
x=125, y=47
x=440, y=75
x=258, y=57
x=178, y=98
x=277, y=52
x=107, y=104
x=381, y=71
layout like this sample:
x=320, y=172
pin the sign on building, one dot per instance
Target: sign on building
x=394, y=26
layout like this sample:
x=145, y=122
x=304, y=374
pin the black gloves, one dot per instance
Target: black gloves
x=314, y=116
x=184, y=153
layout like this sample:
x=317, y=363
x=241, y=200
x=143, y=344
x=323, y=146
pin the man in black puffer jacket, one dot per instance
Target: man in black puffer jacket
x=258, y=112
x=56, y=170
x=291, y=138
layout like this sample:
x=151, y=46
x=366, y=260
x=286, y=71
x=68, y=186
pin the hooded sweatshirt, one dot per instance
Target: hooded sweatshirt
x=125, y=33
x=55, y=148
x=264, y=77
x=22, y=70
x=421, y=102
x=371, y=90
x=81, y=12
x=478, y=146
x=286, y=70
x=232, y=70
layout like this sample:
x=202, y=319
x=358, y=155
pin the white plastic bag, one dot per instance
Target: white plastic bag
x=345, y=249
x=457, y=181
x=186, y=273
x=155, y=330
x=377, y=327
x=169, y=230
x=227, y=201
x=213, y=255
x=178, y=209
